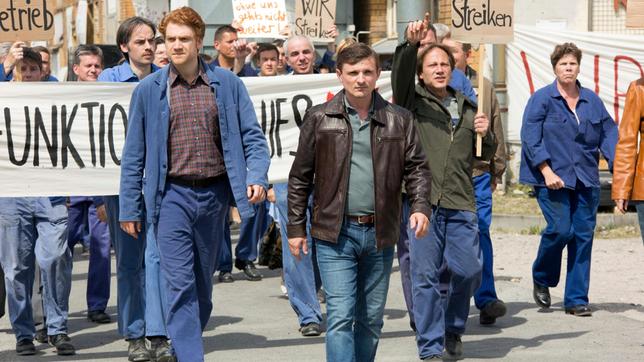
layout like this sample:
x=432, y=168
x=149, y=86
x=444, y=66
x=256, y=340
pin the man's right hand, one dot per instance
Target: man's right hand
x=14, y=55
x=417, y=30
x=621, y=205
x=295, y=244
x=132, y=228
x=101, y=214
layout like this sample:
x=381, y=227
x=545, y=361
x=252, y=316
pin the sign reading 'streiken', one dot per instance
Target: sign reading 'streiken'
x=26, y=20
x=483, y=21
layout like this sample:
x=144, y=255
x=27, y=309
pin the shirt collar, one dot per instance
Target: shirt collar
x=174, y=74
x=583, y=94
x=350, y=110
x=126, y=74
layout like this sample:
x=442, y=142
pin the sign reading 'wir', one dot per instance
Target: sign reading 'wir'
x=483, y=21
x=26, y=19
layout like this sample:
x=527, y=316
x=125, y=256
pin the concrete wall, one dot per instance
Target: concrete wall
x=575, y=14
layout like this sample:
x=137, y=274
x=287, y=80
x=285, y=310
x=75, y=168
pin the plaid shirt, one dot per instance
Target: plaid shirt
x=194, y=142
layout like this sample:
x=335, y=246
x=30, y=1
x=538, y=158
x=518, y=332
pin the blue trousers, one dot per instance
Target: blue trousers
x=189, y=232
x=82, y=216
x=402, y=251
x=35, y=229
x=251, y=231
x=355, y=276
x=301, y=277
x=483, y=193
x=571, y=216
x=139, y=302
x=452, y=239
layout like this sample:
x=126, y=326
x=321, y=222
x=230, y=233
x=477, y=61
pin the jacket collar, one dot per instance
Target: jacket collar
x=335, y=107
x=125, y=73
x=583, y=92
x=213, y=78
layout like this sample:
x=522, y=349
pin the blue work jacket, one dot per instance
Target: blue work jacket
x=550, y=133
x=144, y=164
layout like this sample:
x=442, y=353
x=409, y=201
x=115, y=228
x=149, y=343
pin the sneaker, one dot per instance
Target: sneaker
x=492, y=311
x=63, y=344
x=160, y=350
x=137, y=351
x=25, y=347
x=98, y=316
x=453, y=345
x=41, y=335
x=310, y=330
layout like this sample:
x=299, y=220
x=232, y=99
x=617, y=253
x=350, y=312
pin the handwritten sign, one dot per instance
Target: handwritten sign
x=635, y=14
x=26, y=20
x=314, y=17
x=483, y=21
x=260, y=18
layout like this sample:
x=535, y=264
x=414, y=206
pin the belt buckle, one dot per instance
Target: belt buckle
x=364, y=219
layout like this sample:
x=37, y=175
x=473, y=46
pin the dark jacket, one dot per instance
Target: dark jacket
x=324, y=155
x=450, y=152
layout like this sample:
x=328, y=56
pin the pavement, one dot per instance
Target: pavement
x=252, y=321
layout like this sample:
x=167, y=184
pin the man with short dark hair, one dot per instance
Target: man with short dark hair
x=232, y=52
x=359, y=149
x=45, y=54
x=267, y=59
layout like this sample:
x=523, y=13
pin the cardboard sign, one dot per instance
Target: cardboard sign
x=260, y=18
x=635, y=14
x=27, y=20
x=483, y=21
x=313, y=18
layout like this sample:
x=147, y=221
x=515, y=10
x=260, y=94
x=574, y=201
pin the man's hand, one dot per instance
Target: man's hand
x=15, y=54
x=270, y=196
x=132, y=228
x=417, y=30
x=242, y=49
x=256, y=194
x=481, y=124
x=621, y=205
x=294, y=245
x=419, y=221
x=101, y=214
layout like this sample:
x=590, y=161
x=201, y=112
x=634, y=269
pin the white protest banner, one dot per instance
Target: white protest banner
x=482, y=21
x=635, y=14
x=66, y=138
x=609, y=63
x=26, y=20
x=260, y=18
x=313, y=18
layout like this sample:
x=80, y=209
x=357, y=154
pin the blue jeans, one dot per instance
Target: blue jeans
x=34, y=229
x=452, y=239
x=571, y=216
x=483, y=193
x=189, y=232
x=402, y=251
x=250, y=233
x=355, y=277
x=82, y=215
x=301, y=277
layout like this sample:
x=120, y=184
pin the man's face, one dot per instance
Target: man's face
x=30, y=71
x=460, y=56
x=182, y=44
x=281, y=60
x=436, y=69
x=160, y=56
x=359, y=80
x=225, y=45
x=268, y=61
x=300, y=56
x=140, y=47
x=88, y=69
x=46, y=69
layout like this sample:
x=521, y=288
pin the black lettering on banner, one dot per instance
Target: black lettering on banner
x=110, y=130
x=278, y=121
x=263, y=117
x=90, y=122
x=299, y=116
x=101, y=135
x=39, y=128
x=25, y=153
x=270, y=130
x=66, y=142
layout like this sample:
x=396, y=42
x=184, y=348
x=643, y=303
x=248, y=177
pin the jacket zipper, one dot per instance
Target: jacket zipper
x=375, y=186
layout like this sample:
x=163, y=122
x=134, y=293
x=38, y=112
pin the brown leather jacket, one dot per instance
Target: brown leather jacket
x=628, y=167
x=324, y=156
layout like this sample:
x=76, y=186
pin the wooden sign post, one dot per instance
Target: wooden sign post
x=313, y=18
x=26, y=20
x=635, y=14
x=483, y=22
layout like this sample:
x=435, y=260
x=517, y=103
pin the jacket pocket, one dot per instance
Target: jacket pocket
x=593, y=131
x=232, y=120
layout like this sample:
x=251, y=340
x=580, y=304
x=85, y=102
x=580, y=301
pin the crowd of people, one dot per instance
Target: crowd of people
x=370, y=177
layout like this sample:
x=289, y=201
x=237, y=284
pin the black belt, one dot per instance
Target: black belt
x=361, y=219
x=204, y=182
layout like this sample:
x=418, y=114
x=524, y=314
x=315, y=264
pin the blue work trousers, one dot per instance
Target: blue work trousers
x=82, y=217
x=301, y=277
x=452, y=239
x=355, y=277
x=483, y=193
x=571, y=216
x=189, y=232
x=251, y=231
x=34, y=229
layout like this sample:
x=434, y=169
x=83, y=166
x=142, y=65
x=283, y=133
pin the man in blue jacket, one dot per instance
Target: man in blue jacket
x=193, y=132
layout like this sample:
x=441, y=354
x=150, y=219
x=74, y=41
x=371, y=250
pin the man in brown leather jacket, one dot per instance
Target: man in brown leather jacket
x=628, y=167
x=355, y=147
